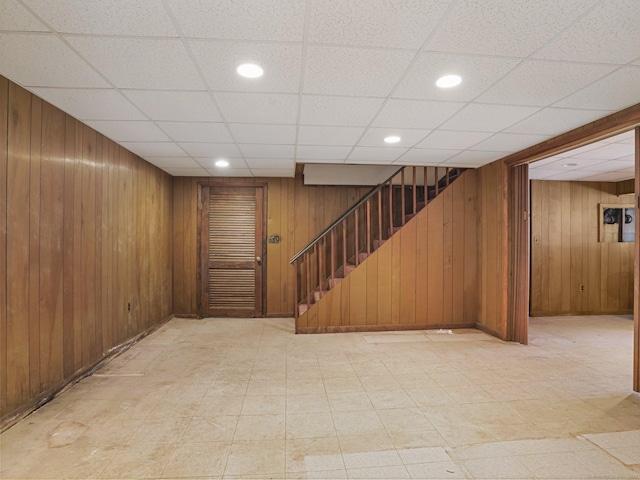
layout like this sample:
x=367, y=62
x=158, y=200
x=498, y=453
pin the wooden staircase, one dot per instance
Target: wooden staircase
x=347, y=242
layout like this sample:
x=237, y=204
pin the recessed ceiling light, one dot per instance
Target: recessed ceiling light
x=221, y=163
x=250, y=70
x=392, y=139
x=449, y=81
x=567, y=165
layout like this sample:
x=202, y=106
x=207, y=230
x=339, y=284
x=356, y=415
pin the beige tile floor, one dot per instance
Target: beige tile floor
x=246, y=398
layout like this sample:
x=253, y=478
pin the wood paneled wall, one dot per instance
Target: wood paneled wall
x=295, y=211
x=492, y=249
x=566, y=253
x=424, y=276
x=84, y=231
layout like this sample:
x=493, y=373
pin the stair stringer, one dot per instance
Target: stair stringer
x=408, y=282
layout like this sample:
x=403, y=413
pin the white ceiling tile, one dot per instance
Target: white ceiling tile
x=478, y=157
x=267, y=151
x=374, y=154
x=611, y=166
x=173, y=162
x=230, y=172
x=91, y=104
x=176, y=106
x=510, y=142
x=450, y=140
x=607, y=152
x=219, y=60
x=426, y=156
x=210, y=149
x=478, y=74
x=246, y=20
x=553, y=81
x=353, y=71
x=147, y=63
x=186, y=172
x=323, y=161
x=567, y=164
x=197, y=132
x=577, y=151
x=43, y=60
x=488, y=118
x=540, y=173
x=555, y=121
x=415, y=113
x=209, y=163
x=511, y=28
x=154, y=149
x=573, y=175
x=307, y=152
x=590, y=38
x=277, y=163
x=374, y=137
x=626, y=137
x=14, y=17
x=265, y=134
x=271, y=172
x=258, y=107
x=106, y=17
x=609, y=177
x=314, y=135
x=129, y=131
x=378, y=24
x=338, y=111
x=616, y=91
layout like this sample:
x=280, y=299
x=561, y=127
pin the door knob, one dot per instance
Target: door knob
x=259, y=260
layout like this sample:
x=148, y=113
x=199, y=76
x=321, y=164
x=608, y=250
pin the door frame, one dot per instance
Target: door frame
x=201, y=259
x=616, y=123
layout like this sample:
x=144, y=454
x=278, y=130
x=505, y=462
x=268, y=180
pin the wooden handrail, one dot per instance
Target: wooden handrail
x=344, y=215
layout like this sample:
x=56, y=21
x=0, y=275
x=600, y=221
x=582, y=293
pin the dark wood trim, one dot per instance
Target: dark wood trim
x=636, y=275
x=11, y=418
x=194, y=316
x=382, y=328
x=280, y=315
x=608, y=126
x=626, y=187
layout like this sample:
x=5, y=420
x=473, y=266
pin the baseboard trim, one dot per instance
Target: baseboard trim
x=279, y=315
x=45, y=397
x=580, y=314
x=381, y=328
x=193, y=316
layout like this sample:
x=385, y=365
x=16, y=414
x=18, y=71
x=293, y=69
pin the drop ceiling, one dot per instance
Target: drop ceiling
x=158, y=76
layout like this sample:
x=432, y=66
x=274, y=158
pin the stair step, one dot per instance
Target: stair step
x=361, y=258
x=334, y=281
x=408, y=217
x=343, y=272
x=393, y=230
x=377, y=244
x=317, y=295
x=302, y=308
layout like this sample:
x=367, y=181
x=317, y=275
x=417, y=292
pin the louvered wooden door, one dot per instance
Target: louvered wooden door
x=232, y=251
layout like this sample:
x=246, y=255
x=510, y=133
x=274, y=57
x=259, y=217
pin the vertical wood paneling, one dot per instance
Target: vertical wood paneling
x=34, y=247
x=373, y=297
x=407, y=276
x=51, y=248
x=294, y=211
x=4, y=109
x=565, y=244
x=18, y=169
x=492, y=248
x=69, y=223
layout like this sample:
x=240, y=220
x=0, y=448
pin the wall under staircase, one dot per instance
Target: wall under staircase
x=424, y=276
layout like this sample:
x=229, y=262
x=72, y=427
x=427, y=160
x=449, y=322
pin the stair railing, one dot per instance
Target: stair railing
x=344, y=244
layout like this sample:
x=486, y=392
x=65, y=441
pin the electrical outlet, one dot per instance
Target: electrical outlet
x=128, y=306
x=536, y=239
x=582, y=288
